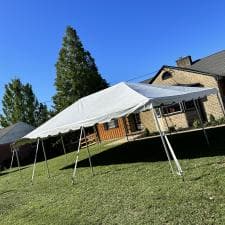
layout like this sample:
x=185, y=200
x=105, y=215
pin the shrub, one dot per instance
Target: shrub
x=196, y=123
x=146, y=132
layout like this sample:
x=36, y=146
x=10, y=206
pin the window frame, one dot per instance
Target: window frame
x=112, y=124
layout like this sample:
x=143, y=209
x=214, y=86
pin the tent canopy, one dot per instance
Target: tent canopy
x=114, y=102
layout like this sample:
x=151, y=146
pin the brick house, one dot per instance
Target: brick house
x=205, y=72
x=121, y=127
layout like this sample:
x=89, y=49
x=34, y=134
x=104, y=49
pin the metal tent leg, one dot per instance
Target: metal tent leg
x=77, y=155
x=202, y=125
x=46, y=161
x=98, y=139
x=89, y=155
x=13, y=153
x=64, y=149
x=180, y=171
x=11, y=163
x=18, y=161
x=163, y=141
x=35, y=160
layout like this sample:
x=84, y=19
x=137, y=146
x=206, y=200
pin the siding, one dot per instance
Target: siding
x=111, y=133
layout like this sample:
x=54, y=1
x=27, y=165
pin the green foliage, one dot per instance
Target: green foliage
x=20, y=104
x=214, y=122
x=146, y=132
x=196, y=124
x=42, y=114
x=76, y=73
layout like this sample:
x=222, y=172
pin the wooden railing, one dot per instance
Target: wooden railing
x=91, y=139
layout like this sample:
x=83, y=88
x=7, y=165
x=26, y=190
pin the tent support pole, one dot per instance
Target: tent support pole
x=64, y=149
x=202, y=125
x=221, y=103
x=17, y=159
x=162, y=139
x=180, y=171
x=89, y=155
x=13, y=153
x=98, y=139
x=46, y=161
x=35, y=160
x=77, y=155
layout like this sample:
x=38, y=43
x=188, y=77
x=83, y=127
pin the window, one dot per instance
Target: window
x=189, y=105
x=173, y=108
x=166, y=75
x=112, y=124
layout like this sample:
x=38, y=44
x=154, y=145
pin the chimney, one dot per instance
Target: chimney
x=184, y=61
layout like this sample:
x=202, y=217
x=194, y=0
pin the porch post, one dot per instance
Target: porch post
x=35, y=160
x=77, y=155
x=162, y=139
x=125, y=127
x=202, y=125
x=89, y=155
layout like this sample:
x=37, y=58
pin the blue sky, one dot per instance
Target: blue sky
x=127, y=38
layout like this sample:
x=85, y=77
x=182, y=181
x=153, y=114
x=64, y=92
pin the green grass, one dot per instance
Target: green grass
x=132, y=185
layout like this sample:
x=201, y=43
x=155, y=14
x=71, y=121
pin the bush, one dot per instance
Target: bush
x=146, y=132
x=196, y=124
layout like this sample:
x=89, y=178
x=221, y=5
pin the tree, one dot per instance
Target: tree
x=42, y=114
x=20, y=104
x=76, y=72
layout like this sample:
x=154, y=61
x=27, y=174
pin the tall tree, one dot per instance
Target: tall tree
x=20, y=104
x=76, y=72
x=42, y=114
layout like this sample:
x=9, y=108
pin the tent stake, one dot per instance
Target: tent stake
x=35, y=160
x=77, y=155
x=162, y=139
x=89, y=155
x=202, y=125
x=46, y=161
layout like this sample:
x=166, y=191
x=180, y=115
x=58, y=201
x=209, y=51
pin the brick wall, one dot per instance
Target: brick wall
x=112, y=133
x=184, y=120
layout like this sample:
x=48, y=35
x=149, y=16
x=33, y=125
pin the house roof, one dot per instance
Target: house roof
x=147, y=81
x=14, y=132
x=214, y=64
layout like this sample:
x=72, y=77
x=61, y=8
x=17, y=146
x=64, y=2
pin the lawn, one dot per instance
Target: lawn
x=132, y=185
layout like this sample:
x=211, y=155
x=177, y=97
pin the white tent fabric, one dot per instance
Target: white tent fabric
x=114, y=102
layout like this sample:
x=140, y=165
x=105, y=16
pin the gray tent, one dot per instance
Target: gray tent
x=8, y=136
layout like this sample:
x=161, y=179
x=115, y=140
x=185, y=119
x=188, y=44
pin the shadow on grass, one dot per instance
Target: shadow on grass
x=11, y=171
x=186, y=146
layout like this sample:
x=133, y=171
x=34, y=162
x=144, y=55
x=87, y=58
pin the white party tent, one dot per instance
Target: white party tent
x=114, y=102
